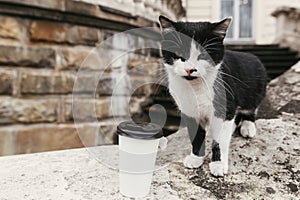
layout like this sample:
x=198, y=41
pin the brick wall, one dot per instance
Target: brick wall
x=39, y=59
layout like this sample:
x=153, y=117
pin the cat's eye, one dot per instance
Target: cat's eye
x=202, y=56
x=180, y=57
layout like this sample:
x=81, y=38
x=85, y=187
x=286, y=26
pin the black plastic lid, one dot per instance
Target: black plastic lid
x=139, y=130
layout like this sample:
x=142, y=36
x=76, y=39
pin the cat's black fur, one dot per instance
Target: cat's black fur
x=242, y=75
x=247, y=78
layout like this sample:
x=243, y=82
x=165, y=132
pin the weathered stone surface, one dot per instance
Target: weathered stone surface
x=46, y=83
x=124, y=85
x=53, y=4
x=63, y=33
x=81, y=8
x=27, y=56
x=14, y=110
x=48, y=31
x=140, y=85
x=7, y=141
x=265, y=167
x=6, y=82
x=86, y=109
x=38, y=138
x=283, y=94
x=82, y=35
x=270, y=159
x=10, y=28
x=106, y=85
x=146, y=66
x=82, y=58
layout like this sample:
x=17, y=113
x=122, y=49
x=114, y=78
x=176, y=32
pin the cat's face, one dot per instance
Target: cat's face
x=192, y=49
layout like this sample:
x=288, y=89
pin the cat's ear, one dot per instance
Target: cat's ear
x=166, y=24
x=222, y=26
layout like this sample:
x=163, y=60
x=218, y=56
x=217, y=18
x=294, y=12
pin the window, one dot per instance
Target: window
x=242, y=12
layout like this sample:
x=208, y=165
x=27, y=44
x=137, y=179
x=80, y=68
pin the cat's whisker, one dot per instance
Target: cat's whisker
x=213, y=44
x=207, y=87
x=224, y=82
x=210, y=40
x=159, y=82
x=170, y=47
x=204, y=43
x=171, y=41
x=211, y=49
x=178, y=37
x=224, y=88
x=233, y=77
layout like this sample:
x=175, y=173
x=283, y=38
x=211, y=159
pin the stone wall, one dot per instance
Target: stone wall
x=288, y=27
x=42, y=46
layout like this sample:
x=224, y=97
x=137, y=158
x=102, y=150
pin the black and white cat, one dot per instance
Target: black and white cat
x=215, y=89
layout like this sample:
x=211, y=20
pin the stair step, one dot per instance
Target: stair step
x=282, y=65
x=260, y=49
x=270, y=52
x=278, y=58
x=267, y=46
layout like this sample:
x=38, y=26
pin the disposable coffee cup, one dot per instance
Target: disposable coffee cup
x=138, y=146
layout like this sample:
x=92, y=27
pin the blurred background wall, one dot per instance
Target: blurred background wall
x=43, y=43
x=252, y=19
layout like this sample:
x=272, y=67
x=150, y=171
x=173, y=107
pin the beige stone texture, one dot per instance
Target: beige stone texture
x=40, y=138
x=86, y=109
x=10, y=28
x=13, y=110
x=46, y=83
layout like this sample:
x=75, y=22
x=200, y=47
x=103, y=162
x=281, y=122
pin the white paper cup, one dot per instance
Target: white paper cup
x=137, y=156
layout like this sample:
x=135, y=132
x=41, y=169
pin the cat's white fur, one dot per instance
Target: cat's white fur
x=194, y=98
x=248, y=129
x=193, y=161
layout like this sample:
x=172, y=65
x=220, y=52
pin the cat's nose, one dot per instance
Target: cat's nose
x=190, y=71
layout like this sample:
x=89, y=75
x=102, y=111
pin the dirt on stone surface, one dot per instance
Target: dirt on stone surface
x=283, y=95
x=264, y=167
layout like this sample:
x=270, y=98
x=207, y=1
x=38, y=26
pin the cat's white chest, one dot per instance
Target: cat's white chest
x=194, y=100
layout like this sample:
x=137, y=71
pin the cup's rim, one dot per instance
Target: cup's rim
x=139, y=130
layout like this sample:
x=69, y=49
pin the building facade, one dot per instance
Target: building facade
x=252, y=20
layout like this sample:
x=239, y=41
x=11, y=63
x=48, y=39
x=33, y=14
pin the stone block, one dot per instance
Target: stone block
x=140, y=85
x=38, y=138
x=81, y=8
x=27, y=110
x=48, y=31
x=86, y=109
x=6, y=82
x=106, y=85
x=10, y=28
x=83, y=59
x=63, y=33
x=46, y=83
x=7, y=141
x=82, y=35
x=53, y=4
x=145, y=66
x=27, y=56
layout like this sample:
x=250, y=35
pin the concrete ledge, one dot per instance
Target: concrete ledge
x=265, y=167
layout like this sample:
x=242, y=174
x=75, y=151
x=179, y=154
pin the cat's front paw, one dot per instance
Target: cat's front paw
x=248, y=129
x=193, y=161
x=218, y=168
